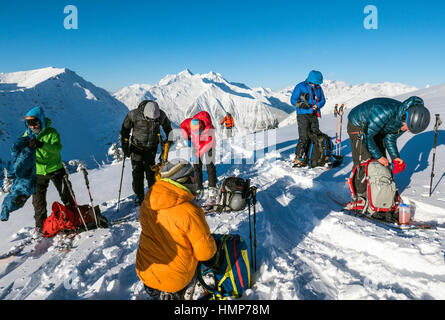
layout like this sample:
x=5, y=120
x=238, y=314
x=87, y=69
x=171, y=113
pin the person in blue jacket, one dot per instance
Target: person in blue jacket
x=308, y=97
x=374, y=127
x=24, y=173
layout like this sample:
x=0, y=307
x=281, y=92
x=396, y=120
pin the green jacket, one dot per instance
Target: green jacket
x=48, y=158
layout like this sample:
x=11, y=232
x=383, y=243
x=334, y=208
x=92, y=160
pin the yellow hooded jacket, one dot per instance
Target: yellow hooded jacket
x=174, y=237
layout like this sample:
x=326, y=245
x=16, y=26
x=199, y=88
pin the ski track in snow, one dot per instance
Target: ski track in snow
x=306, y=247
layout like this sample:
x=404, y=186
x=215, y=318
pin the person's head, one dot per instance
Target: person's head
x=180, y=171
x=151, y=110
x=195, y=125
x=417, y=117
x=35, y=120
x=315, y=78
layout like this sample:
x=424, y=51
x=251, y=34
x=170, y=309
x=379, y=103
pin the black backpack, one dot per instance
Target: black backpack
x=233, y=195
x=319, y=149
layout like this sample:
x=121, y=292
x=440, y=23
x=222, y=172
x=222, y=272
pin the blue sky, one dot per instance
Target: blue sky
x=261, y=43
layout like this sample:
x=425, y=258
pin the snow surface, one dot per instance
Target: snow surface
x=307, y=248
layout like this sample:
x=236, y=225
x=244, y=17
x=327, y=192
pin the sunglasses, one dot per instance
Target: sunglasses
x=33, y=122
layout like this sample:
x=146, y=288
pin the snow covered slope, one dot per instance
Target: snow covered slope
x=185, y=94
x=88, y=118
x=307, y=248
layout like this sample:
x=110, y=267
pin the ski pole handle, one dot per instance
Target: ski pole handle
x=85, y=175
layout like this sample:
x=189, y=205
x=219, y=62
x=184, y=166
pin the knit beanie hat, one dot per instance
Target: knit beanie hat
x=195, y=125
x=178, y=170
x=151, y=110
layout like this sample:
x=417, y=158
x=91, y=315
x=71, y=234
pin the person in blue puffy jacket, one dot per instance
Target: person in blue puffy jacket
x=374, y=127
x=308, y=97
x=24, y=172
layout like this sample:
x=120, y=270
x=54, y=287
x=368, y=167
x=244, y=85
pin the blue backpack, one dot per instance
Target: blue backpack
x=320, y=149
x=232, y=269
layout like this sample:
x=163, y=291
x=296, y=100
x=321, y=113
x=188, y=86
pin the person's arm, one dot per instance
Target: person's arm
x=203, y=244
x=391, y=144
x=295, y=95
x=127, y=125
x=322, y=100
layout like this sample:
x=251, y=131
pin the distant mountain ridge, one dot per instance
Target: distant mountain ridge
x=88, y=118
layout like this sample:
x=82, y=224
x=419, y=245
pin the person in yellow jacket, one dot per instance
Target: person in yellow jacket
x=175, y=234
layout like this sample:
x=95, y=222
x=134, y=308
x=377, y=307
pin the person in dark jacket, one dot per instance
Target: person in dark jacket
x=309, y=98
x=144, y=123
x=374, y=127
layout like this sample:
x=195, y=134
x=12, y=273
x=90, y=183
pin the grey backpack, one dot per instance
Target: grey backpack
x=382, y=195
x=233, y=195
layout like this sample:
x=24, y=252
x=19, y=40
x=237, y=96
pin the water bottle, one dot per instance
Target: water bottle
x=404, y=214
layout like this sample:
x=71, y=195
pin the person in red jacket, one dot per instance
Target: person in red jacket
x=200, y=132
x=230, y=123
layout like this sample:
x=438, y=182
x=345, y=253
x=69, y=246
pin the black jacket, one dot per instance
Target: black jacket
x=146, y=133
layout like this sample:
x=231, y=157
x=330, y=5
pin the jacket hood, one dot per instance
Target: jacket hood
x=315, y=77
x=204, y=116
x=39, y=114
x=165, y=195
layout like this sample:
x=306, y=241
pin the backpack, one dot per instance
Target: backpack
x=319, y=150
x=68, y=219
x=382, y=194
x=233, y=194
x=231, y=270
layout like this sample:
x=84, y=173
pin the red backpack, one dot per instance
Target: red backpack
x=66, y=218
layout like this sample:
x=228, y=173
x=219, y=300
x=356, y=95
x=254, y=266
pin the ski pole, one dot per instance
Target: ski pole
x=254, y=222
x=341, y=127
x=67, y=183
x=87, y=182
x=336, y=127
x=436, y=131
x=250, y=234
x=120, y=186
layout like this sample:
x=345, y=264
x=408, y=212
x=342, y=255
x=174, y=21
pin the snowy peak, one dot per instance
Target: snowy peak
x=88, y=118
x=185, y=94
x=28, y=79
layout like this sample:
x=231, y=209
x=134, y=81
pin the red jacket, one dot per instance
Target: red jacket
x=229, y=121
x=203, y=140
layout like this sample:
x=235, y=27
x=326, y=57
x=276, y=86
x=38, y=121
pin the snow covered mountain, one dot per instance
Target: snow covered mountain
x=307, y=248
x=88, y=118
x=185, y=94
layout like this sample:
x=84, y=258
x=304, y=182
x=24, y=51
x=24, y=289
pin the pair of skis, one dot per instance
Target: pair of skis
x=338, y=113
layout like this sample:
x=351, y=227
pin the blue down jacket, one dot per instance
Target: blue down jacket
x=381, y=116
x=316, y=97
x=24, y=172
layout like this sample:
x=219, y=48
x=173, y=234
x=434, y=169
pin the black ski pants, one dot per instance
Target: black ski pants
x=141, y=161
x=209, y=161
x=306, y=123
x=39, y=197
x=360, y=155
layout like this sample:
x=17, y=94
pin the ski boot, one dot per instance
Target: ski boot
x=299, y=163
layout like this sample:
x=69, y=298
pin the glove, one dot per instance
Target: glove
x=398, y=167
x=126, y=149
x=303, y=105
x=35, y=144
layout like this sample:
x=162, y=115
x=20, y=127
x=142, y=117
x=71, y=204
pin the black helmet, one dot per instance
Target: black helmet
x=417, y=118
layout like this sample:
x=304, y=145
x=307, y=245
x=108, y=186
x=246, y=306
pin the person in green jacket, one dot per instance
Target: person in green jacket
x=45, y=140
